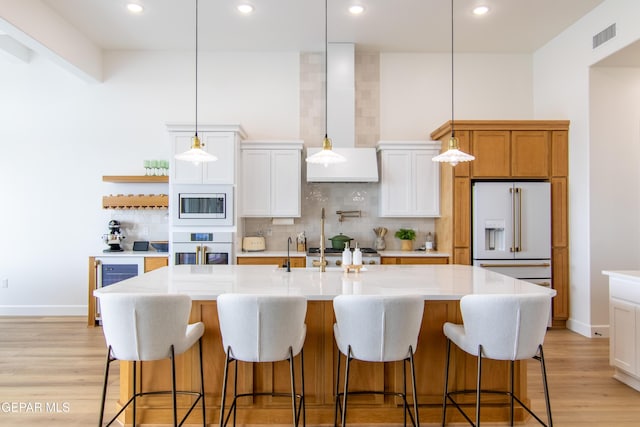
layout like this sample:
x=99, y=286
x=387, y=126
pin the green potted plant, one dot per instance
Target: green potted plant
x=406, y=236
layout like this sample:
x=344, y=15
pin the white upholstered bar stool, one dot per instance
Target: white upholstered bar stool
x=146, y=327
x=262, y=328
x=500, y=327
x=377, y=328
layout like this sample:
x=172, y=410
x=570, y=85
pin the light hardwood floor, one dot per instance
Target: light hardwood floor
x=51, y=372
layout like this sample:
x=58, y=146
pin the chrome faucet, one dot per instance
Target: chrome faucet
x=288, y=256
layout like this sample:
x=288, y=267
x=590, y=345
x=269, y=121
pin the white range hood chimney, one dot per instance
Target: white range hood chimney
x=361, y=164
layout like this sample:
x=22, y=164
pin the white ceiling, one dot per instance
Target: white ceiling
x=511, y=26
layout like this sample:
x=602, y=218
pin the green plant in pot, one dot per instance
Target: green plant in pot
x=406, y=236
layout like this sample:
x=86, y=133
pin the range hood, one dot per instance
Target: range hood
x=361, y=164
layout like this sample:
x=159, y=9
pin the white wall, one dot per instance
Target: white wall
x=561, y=90
x=59, y=135
x=615, y=178
x=415, y=91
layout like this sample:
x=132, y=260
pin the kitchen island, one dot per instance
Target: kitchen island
x=440, y=285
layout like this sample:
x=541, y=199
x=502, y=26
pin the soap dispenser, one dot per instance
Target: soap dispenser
x=346, y=254
x=357, y=256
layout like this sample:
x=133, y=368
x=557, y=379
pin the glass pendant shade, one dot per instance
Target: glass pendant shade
x=196, y=154
x=326, y=156
x=453, y=155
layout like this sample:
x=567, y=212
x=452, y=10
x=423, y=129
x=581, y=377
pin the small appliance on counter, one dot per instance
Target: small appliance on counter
x=253, y=244
x=114, y=237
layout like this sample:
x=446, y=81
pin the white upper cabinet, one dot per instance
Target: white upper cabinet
x=410, y=180
x=221, y=141
x=271, y=178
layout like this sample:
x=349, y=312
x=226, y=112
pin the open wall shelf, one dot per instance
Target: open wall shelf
x=135, y=178
x=138, y=201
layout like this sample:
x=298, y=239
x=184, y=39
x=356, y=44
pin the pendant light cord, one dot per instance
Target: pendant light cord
x=326, y=76
x=452, y=121
x=196, y=68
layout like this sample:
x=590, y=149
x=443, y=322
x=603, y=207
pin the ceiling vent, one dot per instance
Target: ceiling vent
x=604, y=35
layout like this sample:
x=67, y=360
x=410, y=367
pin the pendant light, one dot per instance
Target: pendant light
x=453, y=155
x=326, y=156
x=196, y=154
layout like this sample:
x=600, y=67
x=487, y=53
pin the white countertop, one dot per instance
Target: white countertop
x=434, y=282
x=422, y=254
x=626, y=274
x=132, y=254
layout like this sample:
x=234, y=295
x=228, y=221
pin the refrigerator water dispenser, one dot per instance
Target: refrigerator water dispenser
x=494, y=235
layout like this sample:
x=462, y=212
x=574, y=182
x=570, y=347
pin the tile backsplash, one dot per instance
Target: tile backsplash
x=138, y=224
x=333, y=197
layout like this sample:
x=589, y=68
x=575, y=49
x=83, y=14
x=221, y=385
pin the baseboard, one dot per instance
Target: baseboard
x=43, y=310
x=589, y=331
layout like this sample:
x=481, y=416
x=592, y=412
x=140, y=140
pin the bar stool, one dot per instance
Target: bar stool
x=500, y=327
x=146, y=327
x=262, y=328
x=375, y=328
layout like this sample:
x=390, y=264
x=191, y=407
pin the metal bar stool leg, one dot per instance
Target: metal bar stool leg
x=174, y=399
x=415, y=390
x=337, y=405
x=224, y=389
x=446, y=384
x=204, y=412
x=135, y=391
x=104, y=387
x=478, y=392
x=293, y=387
x=346, y=388
x=546, y=386
x=511, y=395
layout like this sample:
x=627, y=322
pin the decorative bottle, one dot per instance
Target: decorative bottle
x=357, y=256
x=346, y=254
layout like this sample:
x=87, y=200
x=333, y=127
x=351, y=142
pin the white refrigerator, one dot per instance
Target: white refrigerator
x=512, y=229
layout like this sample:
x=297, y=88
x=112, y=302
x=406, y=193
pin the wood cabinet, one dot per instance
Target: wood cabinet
x=414, y=260
x=271, y=179
x=511, y=153
x=507, y=150
x=296, y=261
x=410, y=180
x=222, y=141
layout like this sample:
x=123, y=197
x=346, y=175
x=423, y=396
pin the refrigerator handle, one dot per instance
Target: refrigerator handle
x=198, y=248
x=513, y=247
x=519, y=195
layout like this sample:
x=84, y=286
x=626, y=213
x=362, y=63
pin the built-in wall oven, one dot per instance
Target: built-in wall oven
x=197, y=248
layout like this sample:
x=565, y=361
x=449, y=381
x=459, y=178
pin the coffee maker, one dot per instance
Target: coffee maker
x=114, y=238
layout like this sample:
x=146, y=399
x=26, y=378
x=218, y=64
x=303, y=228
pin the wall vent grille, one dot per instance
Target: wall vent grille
x=604, y=35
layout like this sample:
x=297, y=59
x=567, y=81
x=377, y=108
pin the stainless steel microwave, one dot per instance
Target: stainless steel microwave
x=202, y=204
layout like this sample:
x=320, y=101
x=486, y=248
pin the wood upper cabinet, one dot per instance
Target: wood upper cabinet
x=505, y=154
x=530, y=154
x=492, y=150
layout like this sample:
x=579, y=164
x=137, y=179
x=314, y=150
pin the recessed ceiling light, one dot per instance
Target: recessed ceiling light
x=134, y=8
x=356, y=9
x=245, y=8
x=480, y=10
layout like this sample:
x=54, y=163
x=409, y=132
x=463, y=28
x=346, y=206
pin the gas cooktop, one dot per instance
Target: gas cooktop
x=330, y=251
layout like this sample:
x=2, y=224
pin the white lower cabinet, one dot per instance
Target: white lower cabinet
x=624, y=329
x=271, y=179
x=410, y=179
